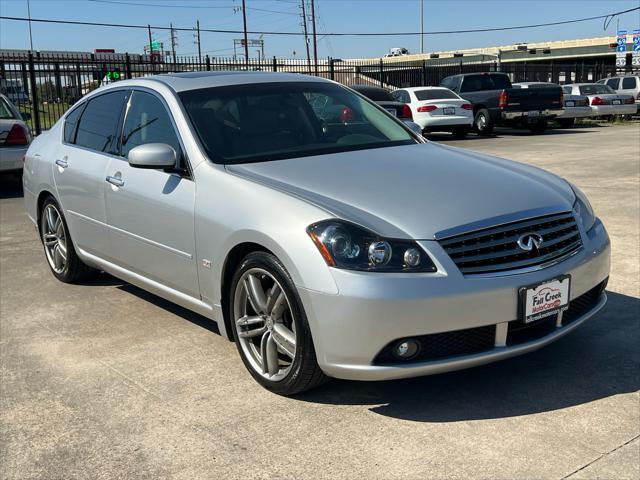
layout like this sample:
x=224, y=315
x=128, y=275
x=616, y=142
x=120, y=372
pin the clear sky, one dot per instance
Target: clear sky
x=284, y=15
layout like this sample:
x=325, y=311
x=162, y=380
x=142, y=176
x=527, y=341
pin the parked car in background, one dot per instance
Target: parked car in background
x=437, y=109
x=397, y=52
x=626, y=85
x=386, y=100
x=495, y=102
x=13, y=90
x=604, y=101
x=354, y=250
x=14, y=137
x=575, y=106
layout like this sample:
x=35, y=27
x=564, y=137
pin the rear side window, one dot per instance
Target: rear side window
x=71, y=122
x=614, y=83
x=98, y=128
x=629, y=83
x=5, y=112
x=476, y=83
x=375, y=94
x=450, y=82
x=434, y=94
x=148, y=122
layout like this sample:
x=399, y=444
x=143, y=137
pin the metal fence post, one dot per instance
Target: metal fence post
x=207, y=62
x=127, y=66
x=424, y=73
x=381, y=72
x=332, y=72
x=34, y=95
x=275, y=64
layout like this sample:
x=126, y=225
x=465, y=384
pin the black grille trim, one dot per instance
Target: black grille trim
x=495, y=249
x=444, y=345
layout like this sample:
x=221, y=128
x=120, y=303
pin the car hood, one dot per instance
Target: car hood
x=422, y=191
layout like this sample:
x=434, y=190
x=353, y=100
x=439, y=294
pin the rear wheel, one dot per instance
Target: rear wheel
x=566, y=122
x=63, y=261
x=270, y=327
x=482, y=122
x=538, y=128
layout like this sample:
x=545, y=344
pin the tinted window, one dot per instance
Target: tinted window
x=375, y=94
x=567, y=90
x=476, y=83
x=270, y=121
x=450, y=83
x=5, y=112
x=628, y=83
x=614, y=83
x=98, y=127
x=148, y=122
x=70, y=123
x=434, y=94
x=595, y=89
x=543, y=85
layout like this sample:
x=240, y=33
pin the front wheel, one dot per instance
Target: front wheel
x=270, y=327
x=482, y=122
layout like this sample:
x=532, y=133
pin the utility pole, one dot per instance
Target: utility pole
x=306, y=35
x=315, y=40
x=30, y=36
x=246, y=40
x=150, y=40
x=421, y=26
x=198, y=41
x=174, y=42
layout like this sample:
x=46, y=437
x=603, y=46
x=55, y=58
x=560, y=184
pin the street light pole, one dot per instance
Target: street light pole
x=30, y=35
x=315, y=41
x=246, y=40
x=421, y=26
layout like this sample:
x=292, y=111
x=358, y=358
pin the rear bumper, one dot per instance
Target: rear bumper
x=545, y=114
x=11, y=158
x=576, y=112
x=624, y=109
x=447, y=122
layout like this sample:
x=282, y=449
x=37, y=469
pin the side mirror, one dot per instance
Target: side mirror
x=413, y=126
x=152, y=155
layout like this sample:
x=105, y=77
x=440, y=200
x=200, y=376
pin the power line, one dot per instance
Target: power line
x=166, y=5
x=327, y=34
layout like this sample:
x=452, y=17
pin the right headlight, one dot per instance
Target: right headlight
x=348, y=246
x=583, y=209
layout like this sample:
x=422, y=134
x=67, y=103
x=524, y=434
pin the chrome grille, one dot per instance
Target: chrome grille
x=495, y=249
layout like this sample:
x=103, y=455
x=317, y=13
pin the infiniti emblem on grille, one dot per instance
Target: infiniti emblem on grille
x=529, y=241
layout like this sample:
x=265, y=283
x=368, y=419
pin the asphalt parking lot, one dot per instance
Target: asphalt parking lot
x=103, y=380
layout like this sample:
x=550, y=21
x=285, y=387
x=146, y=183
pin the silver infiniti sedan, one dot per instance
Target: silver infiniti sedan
x=324, y=245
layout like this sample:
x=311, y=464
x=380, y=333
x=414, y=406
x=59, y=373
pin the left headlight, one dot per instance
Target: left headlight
x=583, y=208
x=348, y=246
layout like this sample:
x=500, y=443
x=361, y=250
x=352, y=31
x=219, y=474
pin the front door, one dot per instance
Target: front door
x=150, y=212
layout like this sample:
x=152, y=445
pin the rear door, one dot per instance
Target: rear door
x=90, y=133
x=150, y=212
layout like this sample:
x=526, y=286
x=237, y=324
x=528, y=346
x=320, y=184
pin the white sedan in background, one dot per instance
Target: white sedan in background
x=603, y=99
x=437, y=109
x=575, y=106
x=14, y=137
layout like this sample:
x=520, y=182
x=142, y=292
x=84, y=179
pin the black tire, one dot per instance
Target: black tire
x=566, y=122
x=74, y=269
x=482, y=122
x=305, y=373
x=538, y=128
x=460, y=133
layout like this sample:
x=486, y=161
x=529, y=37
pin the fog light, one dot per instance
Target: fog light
x=412, y=257
x=406, y=349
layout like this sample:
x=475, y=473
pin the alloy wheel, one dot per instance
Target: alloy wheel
x=54, y=237
x=264, y=324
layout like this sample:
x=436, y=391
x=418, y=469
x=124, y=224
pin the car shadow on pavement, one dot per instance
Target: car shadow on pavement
x=598, y=360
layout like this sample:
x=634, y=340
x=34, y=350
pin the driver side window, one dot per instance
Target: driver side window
x=148, y=122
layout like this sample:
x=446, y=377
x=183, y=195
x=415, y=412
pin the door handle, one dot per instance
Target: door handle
x=118, y=182
x=62, y=163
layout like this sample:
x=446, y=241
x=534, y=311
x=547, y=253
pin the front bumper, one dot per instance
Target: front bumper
x=371, y=310
x=546, y=114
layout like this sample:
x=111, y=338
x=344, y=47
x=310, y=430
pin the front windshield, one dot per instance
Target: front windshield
x=595, y=89
x=270, y=121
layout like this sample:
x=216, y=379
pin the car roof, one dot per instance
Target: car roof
x=414, y=89
x=367, y=87
x=180, y=82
